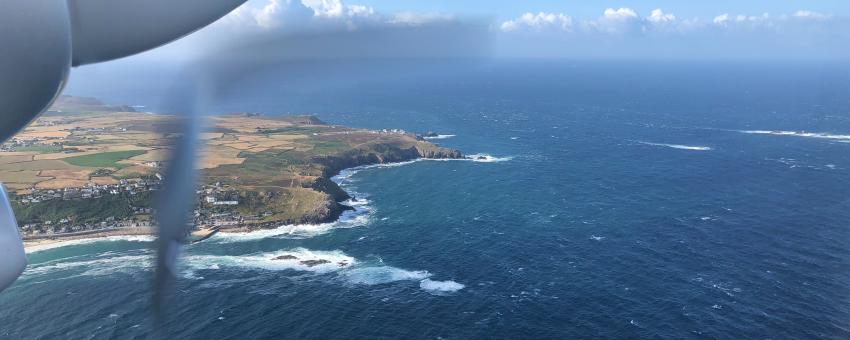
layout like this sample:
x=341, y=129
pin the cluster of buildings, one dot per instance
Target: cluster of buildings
x=16, y=143
x=391, y=132
x=65, y=226
x=213, y=212
x=131, y=187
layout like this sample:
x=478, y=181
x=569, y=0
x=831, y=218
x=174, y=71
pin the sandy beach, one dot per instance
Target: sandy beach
x=33, y=244
x=37, y=243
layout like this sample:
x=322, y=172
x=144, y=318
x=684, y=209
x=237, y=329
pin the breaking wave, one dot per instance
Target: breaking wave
x=485, y=158
x=798, y=134
x=679, y=146
x=347, y=268
x=439, y=137
x=351, y=270
x=349, y=219
x=299, y=259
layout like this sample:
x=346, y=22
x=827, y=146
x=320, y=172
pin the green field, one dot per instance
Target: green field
x=103, y=160
x=40, y=148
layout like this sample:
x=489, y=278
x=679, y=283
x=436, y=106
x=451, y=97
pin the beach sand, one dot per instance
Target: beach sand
x=134, y=233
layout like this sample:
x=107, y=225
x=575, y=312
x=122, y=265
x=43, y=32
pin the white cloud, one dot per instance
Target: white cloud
x=360, y=11
x=722, y=19
x=418, y=19
x=619, y=14
x=616, y=21
x=267, y=16
x=613, y=21
x=325, y=8
x=658, y=16
x=538, y=22
x=275, y=14
x=806, y=14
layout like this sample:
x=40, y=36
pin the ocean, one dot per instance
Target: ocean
x=618, y=200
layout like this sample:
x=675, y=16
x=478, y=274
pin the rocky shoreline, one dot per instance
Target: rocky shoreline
x=333, y=208
x=329, y=212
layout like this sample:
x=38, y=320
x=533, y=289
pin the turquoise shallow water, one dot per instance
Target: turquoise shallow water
x=638, y=200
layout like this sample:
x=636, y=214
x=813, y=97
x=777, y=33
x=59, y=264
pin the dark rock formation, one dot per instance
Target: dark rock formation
x=313, y=263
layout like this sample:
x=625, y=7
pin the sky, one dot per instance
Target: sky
x=505, y=9
x=626, y=29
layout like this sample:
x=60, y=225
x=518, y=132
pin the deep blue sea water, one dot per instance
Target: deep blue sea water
x=624, y=200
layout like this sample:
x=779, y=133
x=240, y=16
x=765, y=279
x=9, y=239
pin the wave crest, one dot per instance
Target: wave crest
x=820, y=135
x=439, y=137
x=679, y=146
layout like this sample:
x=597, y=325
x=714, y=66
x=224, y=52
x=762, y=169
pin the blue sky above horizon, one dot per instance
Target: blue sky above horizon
x=590, y=9
x=636, y=29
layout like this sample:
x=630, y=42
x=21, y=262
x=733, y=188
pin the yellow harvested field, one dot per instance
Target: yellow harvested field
x=211, y=135
x=62, y=183
x=240, y=146
x=30, y=134
x=27, y=176
x=38, y=165
x=17, y=153
x=67, y=174
x=14, y=159
x=19, y=188
x=104, y=180
x=214, y=156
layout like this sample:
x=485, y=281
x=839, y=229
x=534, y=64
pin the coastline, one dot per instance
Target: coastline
x=34, y=244
x=335, y=165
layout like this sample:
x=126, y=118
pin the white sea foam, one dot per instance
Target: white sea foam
x=348, y=268
x=440, y=286
x=382, y=274
x=486, y=158
x=298, y=259
x=439, y=137
x=679, y=146
x=66, y=243
x=820, y=135
x=348, y=219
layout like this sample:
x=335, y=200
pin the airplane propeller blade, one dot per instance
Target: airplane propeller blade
x=174, y=205
x=107, y=29
x=13, y=260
